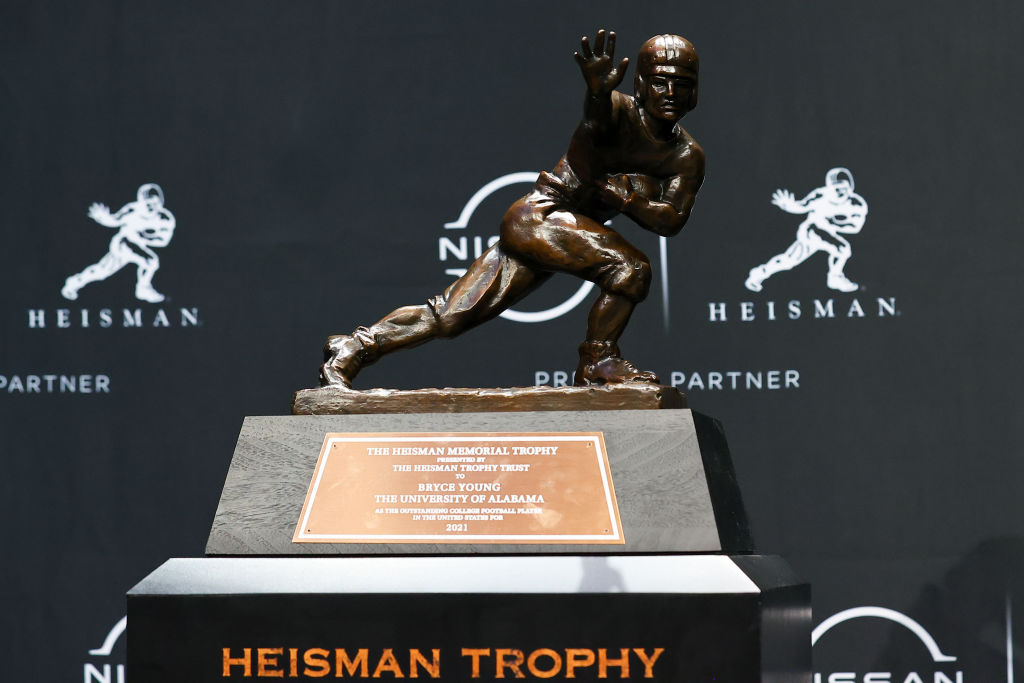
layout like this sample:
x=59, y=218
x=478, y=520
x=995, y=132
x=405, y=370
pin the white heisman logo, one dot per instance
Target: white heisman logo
x=832, y=210
x=141, y=224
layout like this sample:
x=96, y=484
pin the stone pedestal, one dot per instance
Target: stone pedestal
x=671, y=470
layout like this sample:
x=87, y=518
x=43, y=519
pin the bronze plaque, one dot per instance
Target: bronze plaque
x=461, y=487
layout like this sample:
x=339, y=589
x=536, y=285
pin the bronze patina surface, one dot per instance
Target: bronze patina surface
x=337, y=400
x=629, y=155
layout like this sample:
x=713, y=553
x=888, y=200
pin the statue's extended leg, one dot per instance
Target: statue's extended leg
x=795, y=254
x=104, y=268
x=492, y=283
x=346, y=354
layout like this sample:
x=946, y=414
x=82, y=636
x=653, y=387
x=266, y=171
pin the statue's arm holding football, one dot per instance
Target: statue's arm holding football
x=856, y=215
x=663, y=207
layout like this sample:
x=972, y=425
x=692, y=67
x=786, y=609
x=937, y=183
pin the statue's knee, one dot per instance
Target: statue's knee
x=632, y=279
x=449, y=325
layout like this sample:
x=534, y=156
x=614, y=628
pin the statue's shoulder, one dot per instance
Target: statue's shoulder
x=621, y=99
x=624, y=105
x=689, y=155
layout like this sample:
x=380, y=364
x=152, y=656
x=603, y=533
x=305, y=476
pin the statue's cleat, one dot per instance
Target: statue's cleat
x=329, y=377
x=340, y=361
x=600, y=363
x=755, y=280
x=345, y=355
x=613, y=371
x=148, y=294
x=69, y=292
x=840, y=282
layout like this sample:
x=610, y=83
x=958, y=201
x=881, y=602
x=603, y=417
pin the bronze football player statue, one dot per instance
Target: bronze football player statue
x=629, y=155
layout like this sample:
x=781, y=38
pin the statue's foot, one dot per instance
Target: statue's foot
x=840, y=282
x=755, y=279
x=344, y=357
x=69, y=292
x=148, y=294
x=340, y=366
x=600, y=363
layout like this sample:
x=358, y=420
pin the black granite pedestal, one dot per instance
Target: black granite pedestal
x=671, y=469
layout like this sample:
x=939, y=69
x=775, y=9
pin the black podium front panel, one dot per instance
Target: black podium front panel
x=665, y=618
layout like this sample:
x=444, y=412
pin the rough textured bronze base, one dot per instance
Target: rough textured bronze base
x=339, y=401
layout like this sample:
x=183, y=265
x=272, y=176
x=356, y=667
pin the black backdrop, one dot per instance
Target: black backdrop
x=312, y=153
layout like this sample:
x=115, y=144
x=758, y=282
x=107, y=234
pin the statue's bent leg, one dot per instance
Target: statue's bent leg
x=601, y=361
x=573, y=243
x=148, y=263
x=494, y=282
x=838, y=255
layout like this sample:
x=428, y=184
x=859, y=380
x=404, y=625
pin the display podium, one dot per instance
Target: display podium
x=665, y=586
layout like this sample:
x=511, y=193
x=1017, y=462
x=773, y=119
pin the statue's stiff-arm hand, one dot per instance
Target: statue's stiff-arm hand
x=101, y=214
x=785, y=200
x=600, y=72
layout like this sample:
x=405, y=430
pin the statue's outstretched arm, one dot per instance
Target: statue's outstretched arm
x=100, y=213
x=601, y=75
x=785, y=200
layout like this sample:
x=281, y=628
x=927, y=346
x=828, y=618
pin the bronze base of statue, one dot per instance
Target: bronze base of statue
x=334, y=400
